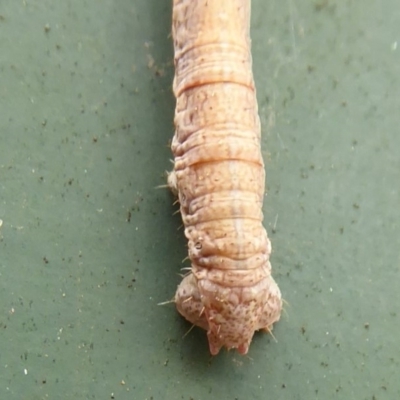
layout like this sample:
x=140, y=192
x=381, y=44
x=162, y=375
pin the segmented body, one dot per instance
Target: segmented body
x=219, y=175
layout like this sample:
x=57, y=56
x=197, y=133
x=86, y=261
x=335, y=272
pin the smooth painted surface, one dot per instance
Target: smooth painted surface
x=88, y=246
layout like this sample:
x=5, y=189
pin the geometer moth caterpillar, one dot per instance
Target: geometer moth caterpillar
x=219, y=175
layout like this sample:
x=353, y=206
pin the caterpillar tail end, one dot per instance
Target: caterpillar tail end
x=229, y=323
x=215, y=345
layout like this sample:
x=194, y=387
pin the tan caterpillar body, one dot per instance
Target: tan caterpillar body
x=219, y=175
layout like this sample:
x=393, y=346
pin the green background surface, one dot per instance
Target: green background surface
x=89, y=247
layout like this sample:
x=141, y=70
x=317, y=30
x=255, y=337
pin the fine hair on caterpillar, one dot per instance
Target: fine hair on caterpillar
x=218, y=175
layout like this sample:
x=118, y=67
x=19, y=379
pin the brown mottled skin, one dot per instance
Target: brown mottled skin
x=219, y=175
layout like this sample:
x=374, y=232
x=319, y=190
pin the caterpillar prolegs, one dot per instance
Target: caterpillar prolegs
x=219, y=175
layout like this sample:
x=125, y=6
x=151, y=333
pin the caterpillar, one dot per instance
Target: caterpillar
x=219, y=175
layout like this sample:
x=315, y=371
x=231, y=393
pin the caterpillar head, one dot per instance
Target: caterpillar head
x=230, y=315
